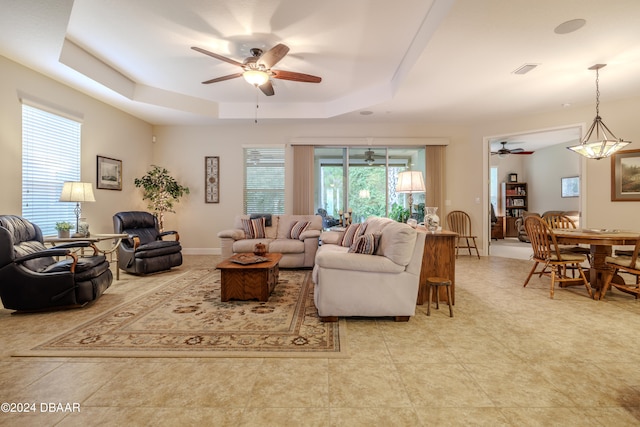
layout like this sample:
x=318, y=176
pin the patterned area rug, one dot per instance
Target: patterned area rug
x=185, y=318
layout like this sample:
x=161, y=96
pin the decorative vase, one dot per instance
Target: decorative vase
x=83, y=227
x=260, y=249
x=431, y=219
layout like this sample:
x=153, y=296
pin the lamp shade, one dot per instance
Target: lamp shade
x=410, y=182
x=73, y=191
x=256, y=77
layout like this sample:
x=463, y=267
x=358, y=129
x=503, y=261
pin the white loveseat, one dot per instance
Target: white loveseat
x=296, y=253
x=383, y=284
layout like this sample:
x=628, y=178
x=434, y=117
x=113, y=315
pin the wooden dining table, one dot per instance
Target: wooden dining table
x=601, y=242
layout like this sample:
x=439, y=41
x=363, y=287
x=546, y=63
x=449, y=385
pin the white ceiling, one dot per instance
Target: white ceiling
x=432, y=61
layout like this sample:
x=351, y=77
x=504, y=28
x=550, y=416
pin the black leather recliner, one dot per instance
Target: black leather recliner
x=31, y=278
x=144, y=251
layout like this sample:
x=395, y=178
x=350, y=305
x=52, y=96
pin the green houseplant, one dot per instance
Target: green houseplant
x=399, y=213
x=63, y=228
x=161, y=190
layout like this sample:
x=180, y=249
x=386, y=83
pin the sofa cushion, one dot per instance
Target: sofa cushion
x=365, y=244
x=287, y=246
x=267, y=218
x=397, y=242
x=352, y=233
x=248, y=245
x=297, y=229
x=254, y=228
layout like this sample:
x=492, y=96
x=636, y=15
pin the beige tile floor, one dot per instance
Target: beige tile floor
x=510, y=356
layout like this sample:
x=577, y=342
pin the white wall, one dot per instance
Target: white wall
x=545, y=168
x=106, y=131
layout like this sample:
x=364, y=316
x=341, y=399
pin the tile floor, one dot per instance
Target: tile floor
x=510, y=356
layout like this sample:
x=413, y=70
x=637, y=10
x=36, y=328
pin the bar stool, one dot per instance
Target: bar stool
x=436, y=282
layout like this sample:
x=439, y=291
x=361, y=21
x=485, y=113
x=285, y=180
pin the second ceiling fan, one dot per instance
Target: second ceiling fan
x=504, y=151
x=256, y=69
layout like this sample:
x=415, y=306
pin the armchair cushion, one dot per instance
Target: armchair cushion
x=297, y=229
x=365, y=244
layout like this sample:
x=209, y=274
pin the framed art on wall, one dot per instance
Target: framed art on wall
x=625, y=176
x=108, y=173
x=570, y=186
x=212, y=179
x=513, y=177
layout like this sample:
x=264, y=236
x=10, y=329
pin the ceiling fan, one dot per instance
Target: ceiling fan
x=256, y=69
x=504, y=151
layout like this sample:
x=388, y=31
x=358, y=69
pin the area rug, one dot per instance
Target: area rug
x=185, y=318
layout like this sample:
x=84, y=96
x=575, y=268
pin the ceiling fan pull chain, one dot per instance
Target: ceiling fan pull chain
x=257, y=106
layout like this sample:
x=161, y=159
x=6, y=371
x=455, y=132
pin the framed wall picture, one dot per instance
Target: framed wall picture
x=570, y=186
x=513, y=177
x=625, y=176
x=212, y=179
x=109, y=173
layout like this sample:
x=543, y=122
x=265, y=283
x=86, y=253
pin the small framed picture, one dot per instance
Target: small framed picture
x=109, y=173
x=513, y=177
x=212, y=179
x=570, y=186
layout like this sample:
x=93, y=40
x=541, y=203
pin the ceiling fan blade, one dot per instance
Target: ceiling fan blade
x=296, y=77
x=223, y=78
x=273, y=55
x=215, y=55
x=517, y=150
x=267, y=88
x=523, y=152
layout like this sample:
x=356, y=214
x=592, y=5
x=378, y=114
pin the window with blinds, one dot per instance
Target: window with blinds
x=50, y=156
x=264, y=180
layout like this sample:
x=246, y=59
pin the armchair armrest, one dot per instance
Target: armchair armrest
x=169, y=233
x=48, y=253
x=309, y=234
x=331, y=237
x=235, y=234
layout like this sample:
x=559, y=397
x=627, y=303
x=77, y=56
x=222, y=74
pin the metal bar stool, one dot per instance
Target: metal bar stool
x=436, y=282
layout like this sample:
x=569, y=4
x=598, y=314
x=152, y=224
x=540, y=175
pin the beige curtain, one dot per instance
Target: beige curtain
x=435, y=179
x=303, y=183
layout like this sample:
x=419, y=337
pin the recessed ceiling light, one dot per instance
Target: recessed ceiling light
x=570, y=26
x=566, y=105
x=366, y=113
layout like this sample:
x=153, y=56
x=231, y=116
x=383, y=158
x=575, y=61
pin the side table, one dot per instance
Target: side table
x=95, y=238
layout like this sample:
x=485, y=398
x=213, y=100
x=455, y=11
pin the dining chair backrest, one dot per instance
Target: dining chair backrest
x=559, y=221
x=543, y=241
x=459, y=222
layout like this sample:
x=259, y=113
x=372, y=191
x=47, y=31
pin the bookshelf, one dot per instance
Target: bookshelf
x=514, y=204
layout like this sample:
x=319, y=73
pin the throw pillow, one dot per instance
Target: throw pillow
x=254, y=228
x=297, y=228
x=350, y=234
x=365, y=244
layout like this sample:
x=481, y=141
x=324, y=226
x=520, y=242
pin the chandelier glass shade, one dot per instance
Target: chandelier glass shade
x=599, y=142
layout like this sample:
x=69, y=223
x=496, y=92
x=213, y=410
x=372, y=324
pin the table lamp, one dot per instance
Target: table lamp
x=73, y=191
x=410, y=182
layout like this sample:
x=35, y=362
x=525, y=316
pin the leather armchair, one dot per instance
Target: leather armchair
x=31, y=278
x=144, y=251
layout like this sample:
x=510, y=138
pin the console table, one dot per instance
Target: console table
x=438, y=259
x=95, y=238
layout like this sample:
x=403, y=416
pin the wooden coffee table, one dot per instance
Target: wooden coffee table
x=248, y=281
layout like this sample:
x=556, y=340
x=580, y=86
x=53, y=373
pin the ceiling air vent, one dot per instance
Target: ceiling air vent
x=524, y=69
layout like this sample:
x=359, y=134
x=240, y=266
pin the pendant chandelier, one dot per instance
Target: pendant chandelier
x=604, y=142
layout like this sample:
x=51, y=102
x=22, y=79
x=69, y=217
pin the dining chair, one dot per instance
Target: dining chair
x=624, y=264
x=557, y=220
x=460, y=222
x=546, y=252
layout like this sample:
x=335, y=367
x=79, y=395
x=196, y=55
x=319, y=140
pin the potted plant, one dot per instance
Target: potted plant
x=63, y=228
x=399, y=213
x=162, y=191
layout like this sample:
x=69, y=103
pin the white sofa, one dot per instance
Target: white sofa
x=296, y=253
x=383, y=284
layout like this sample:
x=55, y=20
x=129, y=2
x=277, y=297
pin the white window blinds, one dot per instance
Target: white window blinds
x=50, y=156
x=264, y=180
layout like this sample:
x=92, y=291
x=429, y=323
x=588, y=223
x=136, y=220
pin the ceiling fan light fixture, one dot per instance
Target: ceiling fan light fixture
x=368, y=157
x=604, y=142
x=256, y=77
